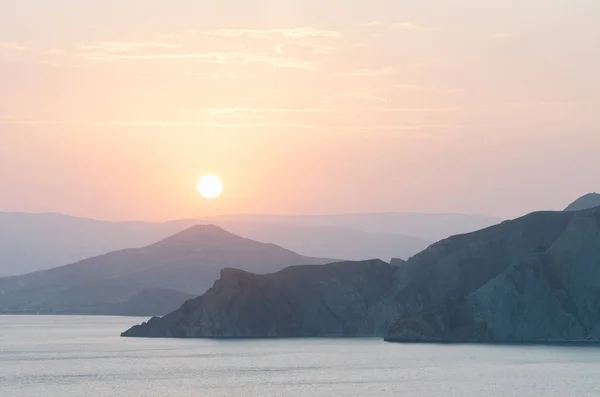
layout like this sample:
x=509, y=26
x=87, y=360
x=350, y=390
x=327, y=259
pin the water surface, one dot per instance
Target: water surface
x=56, y=356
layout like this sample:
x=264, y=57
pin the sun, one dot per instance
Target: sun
x=210, y=186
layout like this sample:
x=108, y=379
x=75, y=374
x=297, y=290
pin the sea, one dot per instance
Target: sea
x=61, y=356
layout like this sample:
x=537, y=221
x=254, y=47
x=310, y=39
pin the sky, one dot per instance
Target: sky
x=114, y=109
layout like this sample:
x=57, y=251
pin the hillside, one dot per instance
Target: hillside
x=172, y=270
x=301, y=301
x=33, y=242
x=550, y=295
x=535, y=278
x=591, y=200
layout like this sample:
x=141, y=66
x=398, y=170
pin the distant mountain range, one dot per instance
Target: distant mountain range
x=145, y=281
x=31, y=242
x=430, y=227
x=532, y=279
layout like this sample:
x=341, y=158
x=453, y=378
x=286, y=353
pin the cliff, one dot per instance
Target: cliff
x=301, y=301
x=550, y=295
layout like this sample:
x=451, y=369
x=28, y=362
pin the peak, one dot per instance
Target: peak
x=200, y=235
x=210, y=228
x=590, y=200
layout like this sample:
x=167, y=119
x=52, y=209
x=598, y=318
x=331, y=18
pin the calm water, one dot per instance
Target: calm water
x=83, y=356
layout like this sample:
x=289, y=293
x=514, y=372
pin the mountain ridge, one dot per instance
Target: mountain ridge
x=31, y=242
x=587, y=201
x=186, y=264
x=546, y=296
x=426, y=295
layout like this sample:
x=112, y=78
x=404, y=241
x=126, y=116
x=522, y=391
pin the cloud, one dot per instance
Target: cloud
x=232, y=111
x=208, y=57
x=290, y=33
x=251, y=111
x=225, y=113
x=500, y=36
x=369, y=72
x=54, y=51
x=409, y=87
x=317, y=49
x=12, y=46
x=396, y=26
x=231, y=75
x=160, y=124
x=413, y=110
x=360, y=96
x=126, y=47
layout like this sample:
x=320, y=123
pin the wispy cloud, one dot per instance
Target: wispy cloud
x=126, y=47
x=357, y=96
x=161, y=124
x=12, y=46
x=397, y=26
x=54, y=51
x=409, y=87
x=208, y=57
x=317, y=48
x=290, y=33
x=250, y=111
x=230, y=111
x=231, y=75
x=369, y=72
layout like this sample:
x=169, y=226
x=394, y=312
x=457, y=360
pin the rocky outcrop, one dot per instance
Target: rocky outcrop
x=591, y=200
x=303, y=301
x=549, y=295
x=397, y=262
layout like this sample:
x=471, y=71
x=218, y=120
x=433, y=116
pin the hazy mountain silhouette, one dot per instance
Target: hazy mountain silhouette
x=591, y=200
x=330, y=242
x=30, y=242
x=532, y=279
x=167, y=272
x=429, y=227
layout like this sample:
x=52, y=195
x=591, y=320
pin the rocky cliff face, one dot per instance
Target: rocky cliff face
x=552, y=294
x=302, y=301
x=459, y=265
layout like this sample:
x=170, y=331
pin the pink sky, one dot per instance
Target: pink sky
x=114, y=109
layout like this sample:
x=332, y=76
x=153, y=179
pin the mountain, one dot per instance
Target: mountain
x=429, y=227
x=535, y=278
x=300, y=301
x=590, y=200
x=329, y=241
x=127, y=281
x=549, y=295
x=32, y=242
